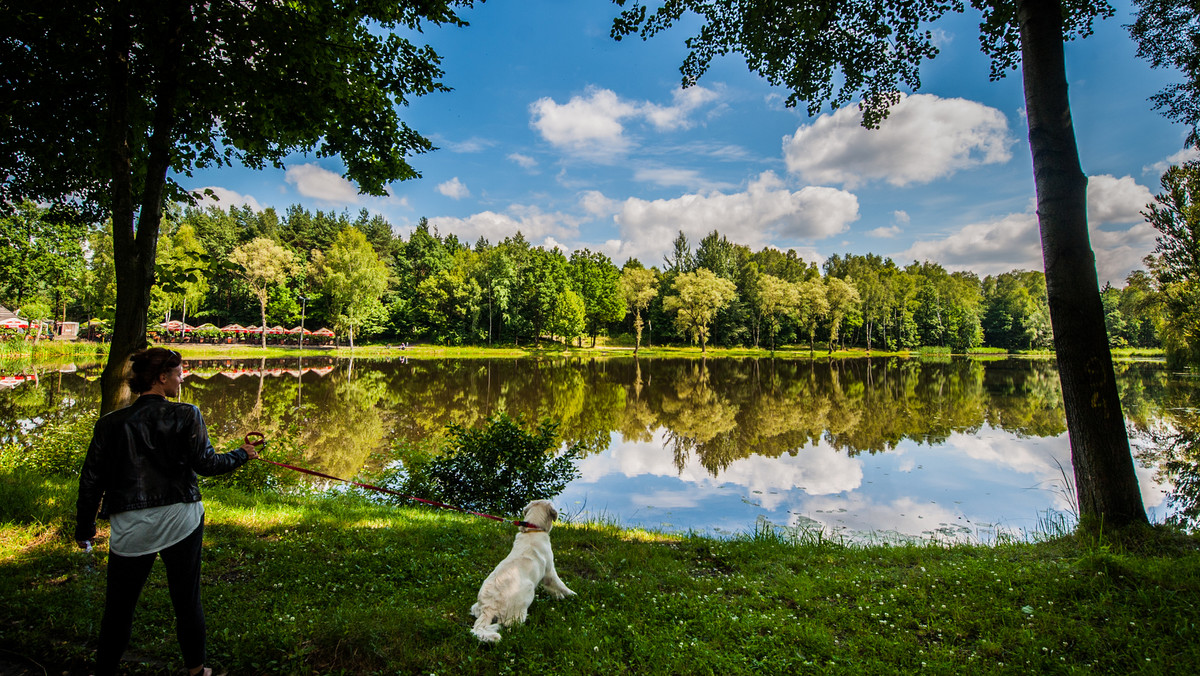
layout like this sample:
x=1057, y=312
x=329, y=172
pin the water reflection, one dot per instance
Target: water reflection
x=954, y=447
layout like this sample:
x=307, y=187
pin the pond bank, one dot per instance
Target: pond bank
x=302, y=585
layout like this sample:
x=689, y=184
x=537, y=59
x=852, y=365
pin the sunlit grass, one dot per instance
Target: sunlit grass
x=336, y=584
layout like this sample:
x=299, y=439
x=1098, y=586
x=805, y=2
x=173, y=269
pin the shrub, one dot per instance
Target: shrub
x=498, y=468
x=56, y=448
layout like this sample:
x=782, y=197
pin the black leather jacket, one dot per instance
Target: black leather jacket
x=146, y=455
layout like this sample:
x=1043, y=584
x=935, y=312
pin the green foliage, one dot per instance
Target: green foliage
x=598, y=284
x=354, y=278
x=57, y=448
x=1175, y=264
x=498, y=467
x=698, y=297
x=1168, y=36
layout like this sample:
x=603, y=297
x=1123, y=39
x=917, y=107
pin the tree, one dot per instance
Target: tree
x=699, y=296
x=262, y=264
x=544, y=279
x=681, y=259
x=639, y=286
x=181, y=272
x=1168, y=36
x=103, y=102
x=354, y=278
x=812, y=307
x=41, y=251
x=497, y=277
x=778, y=298
x=870, y=49
x=843, y=299
x=1175, y=264
x=568, y=317
x=598, y=283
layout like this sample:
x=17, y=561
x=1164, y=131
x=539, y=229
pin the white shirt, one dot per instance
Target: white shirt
x=145, y=531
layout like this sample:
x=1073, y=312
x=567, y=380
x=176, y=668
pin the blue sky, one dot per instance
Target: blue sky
x=576, y=140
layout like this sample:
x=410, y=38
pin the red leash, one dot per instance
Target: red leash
x=257, y=439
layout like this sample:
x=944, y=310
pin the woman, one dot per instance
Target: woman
x=140, y=473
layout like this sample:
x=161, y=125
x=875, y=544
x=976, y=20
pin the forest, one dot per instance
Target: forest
x=353, y=273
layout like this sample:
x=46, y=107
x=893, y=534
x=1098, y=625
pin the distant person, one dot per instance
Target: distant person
x=140, y=474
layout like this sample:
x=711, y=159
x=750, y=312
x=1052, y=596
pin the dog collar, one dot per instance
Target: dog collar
x=526, y=526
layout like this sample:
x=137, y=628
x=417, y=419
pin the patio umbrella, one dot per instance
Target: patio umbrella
x=233, y=328
x=14, y=323
x=323, y=332
x=277, y=330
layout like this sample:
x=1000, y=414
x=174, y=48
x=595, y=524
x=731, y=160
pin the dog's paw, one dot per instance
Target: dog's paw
x=487, y=634
x=564, y=593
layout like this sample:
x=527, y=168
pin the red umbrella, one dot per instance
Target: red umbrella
x=14, y=323
x=233, y=328
x=323, y=332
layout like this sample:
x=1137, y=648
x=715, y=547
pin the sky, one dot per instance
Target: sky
x=577, y=141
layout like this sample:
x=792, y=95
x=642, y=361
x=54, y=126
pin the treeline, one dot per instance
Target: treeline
x=354, y=274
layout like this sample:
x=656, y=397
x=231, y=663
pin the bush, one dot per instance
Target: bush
x=497, y=468
x=56, y=448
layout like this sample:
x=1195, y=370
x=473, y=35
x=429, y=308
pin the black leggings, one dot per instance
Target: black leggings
x=126, y=577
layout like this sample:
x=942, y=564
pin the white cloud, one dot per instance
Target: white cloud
x=596, y=204
x=454, y=189
x=675, y=116
x=588, y=125
x=900, y=216
x=1116, y=200
x=537, y=226
x=1013, y=242
x=925, y=138
x=1159, y=168
x=225, y=198
x=667, y=176
x=471, y=145
x=525, y=161
x=313, y=181
x=765, y=212
x=592, y=125
x=887, y=232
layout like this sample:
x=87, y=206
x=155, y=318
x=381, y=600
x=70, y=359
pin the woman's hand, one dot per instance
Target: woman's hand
x=251, y=450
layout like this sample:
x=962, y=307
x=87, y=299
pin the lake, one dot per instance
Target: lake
x=865, y=449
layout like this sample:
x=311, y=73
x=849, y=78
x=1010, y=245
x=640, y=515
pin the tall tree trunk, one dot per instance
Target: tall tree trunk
x=262, y=307
x=1105, y=481
x=134, y=252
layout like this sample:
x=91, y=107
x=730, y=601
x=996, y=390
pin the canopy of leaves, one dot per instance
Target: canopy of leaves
x=254, y=81
x=836, y=52
x=498, y=467
x=1168, y=35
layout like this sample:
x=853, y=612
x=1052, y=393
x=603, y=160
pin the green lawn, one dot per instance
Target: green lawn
x=327, y=585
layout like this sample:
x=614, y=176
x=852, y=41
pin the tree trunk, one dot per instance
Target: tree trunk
x=637, y=330
x=262, y=307
x=1106, y=485
x=133, y=253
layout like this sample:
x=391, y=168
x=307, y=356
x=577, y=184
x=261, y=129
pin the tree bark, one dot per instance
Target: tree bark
x=1105, y=482
x=134, y=252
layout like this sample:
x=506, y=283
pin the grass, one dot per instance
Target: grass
x=51, y=349
x=338, y=585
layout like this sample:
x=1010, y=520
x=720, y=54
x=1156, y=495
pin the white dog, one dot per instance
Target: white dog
x=506, y=594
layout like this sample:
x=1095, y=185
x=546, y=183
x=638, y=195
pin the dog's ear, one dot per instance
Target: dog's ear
x=553, y=514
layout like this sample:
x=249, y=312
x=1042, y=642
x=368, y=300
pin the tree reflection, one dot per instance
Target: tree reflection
x=339, y=417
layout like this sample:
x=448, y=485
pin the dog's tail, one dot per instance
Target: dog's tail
x=485, y=629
